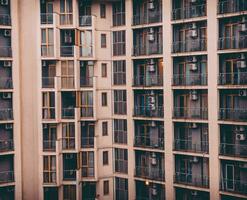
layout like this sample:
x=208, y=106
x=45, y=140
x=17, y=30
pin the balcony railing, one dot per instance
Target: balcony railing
x=68, y=143
x=5, y=20
x=85, y=20
x=46, y=18
x=87, y=111
x=6, y=114
x=7, y=177
x=67, y=51
x=236, y=150
x=118, y=19
x=48, y=82
x=148, y=81
x=189, y=45
x=6, y=83
x=66, y=19
x=239, y=42
x=5, y=51
x=234, y=114
x=47, y=50
x=142, y=18
x=148, y=142
x=49, y=145
x=48, y=113
x=190, y=179
x=189, y=12
x=86, y=82
x=233, y=78
x=69, y=174
x=187, y=145
x=68, y=113
x=119, y=49
x=192, y=79
x=6, y=145
x=233, y=185
x=49, y=177
x=148, y=49
x=87, y=142
x=190, y=113
x=231, y=6
x=150, y=173
x=147, y=111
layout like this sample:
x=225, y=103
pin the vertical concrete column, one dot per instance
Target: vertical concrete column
x=212, y=26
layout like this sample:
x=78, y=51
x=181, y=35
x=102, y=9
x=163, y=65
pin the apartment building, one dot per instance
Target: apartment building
x=123, y=99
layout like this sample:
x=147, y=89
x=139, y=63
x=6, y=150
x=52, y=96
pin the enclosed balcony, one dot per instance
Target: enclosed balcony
x=48, y=74
x=49, y=169
x=148, y=73
x=190, y=37
x=6, y=106
x=149, y=134
x=47, y=12
x=85, y=16
x=233, y=33
x=87, y=164
x=188, y=9
x=5, y=46
x=7, y=169
x=69, y=166
x=48, y=105
x=68, y=136
x=87, y=134
x=182, y=193
x=118, y=13
x=147, y=41
x=88, y=190
x=68, y=105
x=190, y=104
x=148, y=103
x=66, y=13
x=5, y=14
x=148, y=190
x=191, y=137
x=233, y=140
x=49, y=137
x=6, y=75
x=6, y=138
x=86, y=44
x=233, y=177
x=47, y=42
x=67, y=42
x=231, y=6
x=233, y=105
x=86, y=73
x=233, y=69
x=191, y=170
x=149, y=165
x=147, y=12
x=190, y=71
x=86, y=104
x=7, y=192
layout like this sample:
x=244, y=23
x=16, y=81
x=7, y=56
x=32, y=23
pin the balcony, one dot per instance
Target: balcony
x=5, y=51
x=146, y=18
x=7, y=177
x=233, y=78
x=189, y=146
x=189, y=80
x=48, y=82
x=49, y=145
x=231, y=6
x=148, y=81
x=149, y=142
x=6, y=83
x=193, y=180
x=6, y=145
x=5, y=20
x=46, y=18
x=148, y=49
x=150, y=173
x=144, y=191
x=236, y=150
x=47, y=51
x=233, y=114
x=148, y=111
x=85, y=20
x=190, y=113
x=6, y=114
x=67, y=51
x=237, y=42
x=189, y=12
x=189, y=45
x=233, y=185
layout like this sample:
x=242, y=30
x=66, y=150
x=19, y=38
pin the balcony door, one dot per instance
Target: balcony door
x=183, y=105
x=231, y=72
x=231, y=36
x=229, y=176
x=185, y=170
x=231, y=104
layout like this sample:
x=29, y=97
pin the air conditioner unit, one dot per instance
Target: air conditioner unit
x=243, y=26
x=151, y=35
x=7, y=33
x=151, y=5
x=193, y=95
x=7, y=64
x=241, y=63
x=195, y=159
x=242, y=93
x=240, y=136
x=153, y=159
x=193, y=31
x=43, y=63
x=7, y=95
x=194, y=193
x=154, y=190
x=8, y=126
x=4, y=2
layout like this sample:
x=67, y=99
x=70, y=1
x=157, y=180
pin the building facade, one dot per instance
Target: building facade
x=123, y=99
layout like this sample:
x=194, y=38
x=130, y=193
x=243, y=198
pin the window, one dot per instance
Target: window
x=120, y=107
x=87, y=134
x=86, y=104
x=69, y=192
x=118, y=13
x=49, y=169
x=68, y=135
x=121, y=160
x=104, y=99
x=105, y=158
x=86, y=46
x=67, y=74
x=87, y=164
x=119, y=72
x=102, y=11
x=49, y=137
x=103, y=40
x=118, y=43
x=104, y=70
x=104, y=128
x=66, y=12
x=120, y=131
x=47, y=42
x=106, y=187
x=48, y=104
x=121, y=188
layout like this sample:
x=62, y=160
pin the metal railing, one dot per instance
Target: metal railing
x=87, y=142
x=49, y=145
x=190, y=113
x=6, y=145
x=67, y=51
x=5, y=19
x=69, y=174
x=6, y=83
x=47, y=50
x=7, y=177
x=148, y=49
x=87, y=111
x=46, y=18
x=187, y=145
x=66, y=19
x=144, y=18
x=68, y=113
x=231, y=6
x=149, y=80
x=236, y=150
x=150, y=173
x=237, y=42
x=233, y=185
x=192, y=79
x=234, y=114
x=189, y=12
x=190, y=179
x=48, y=113
x=5, y=51
x=233, y=78
x=85, y=20
x=48, y=82
x=86, y=82
x=147, y=111
x=149, y=142
x=189, y=45
x=6, y=114
x=119, y=49
x=118, y=19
